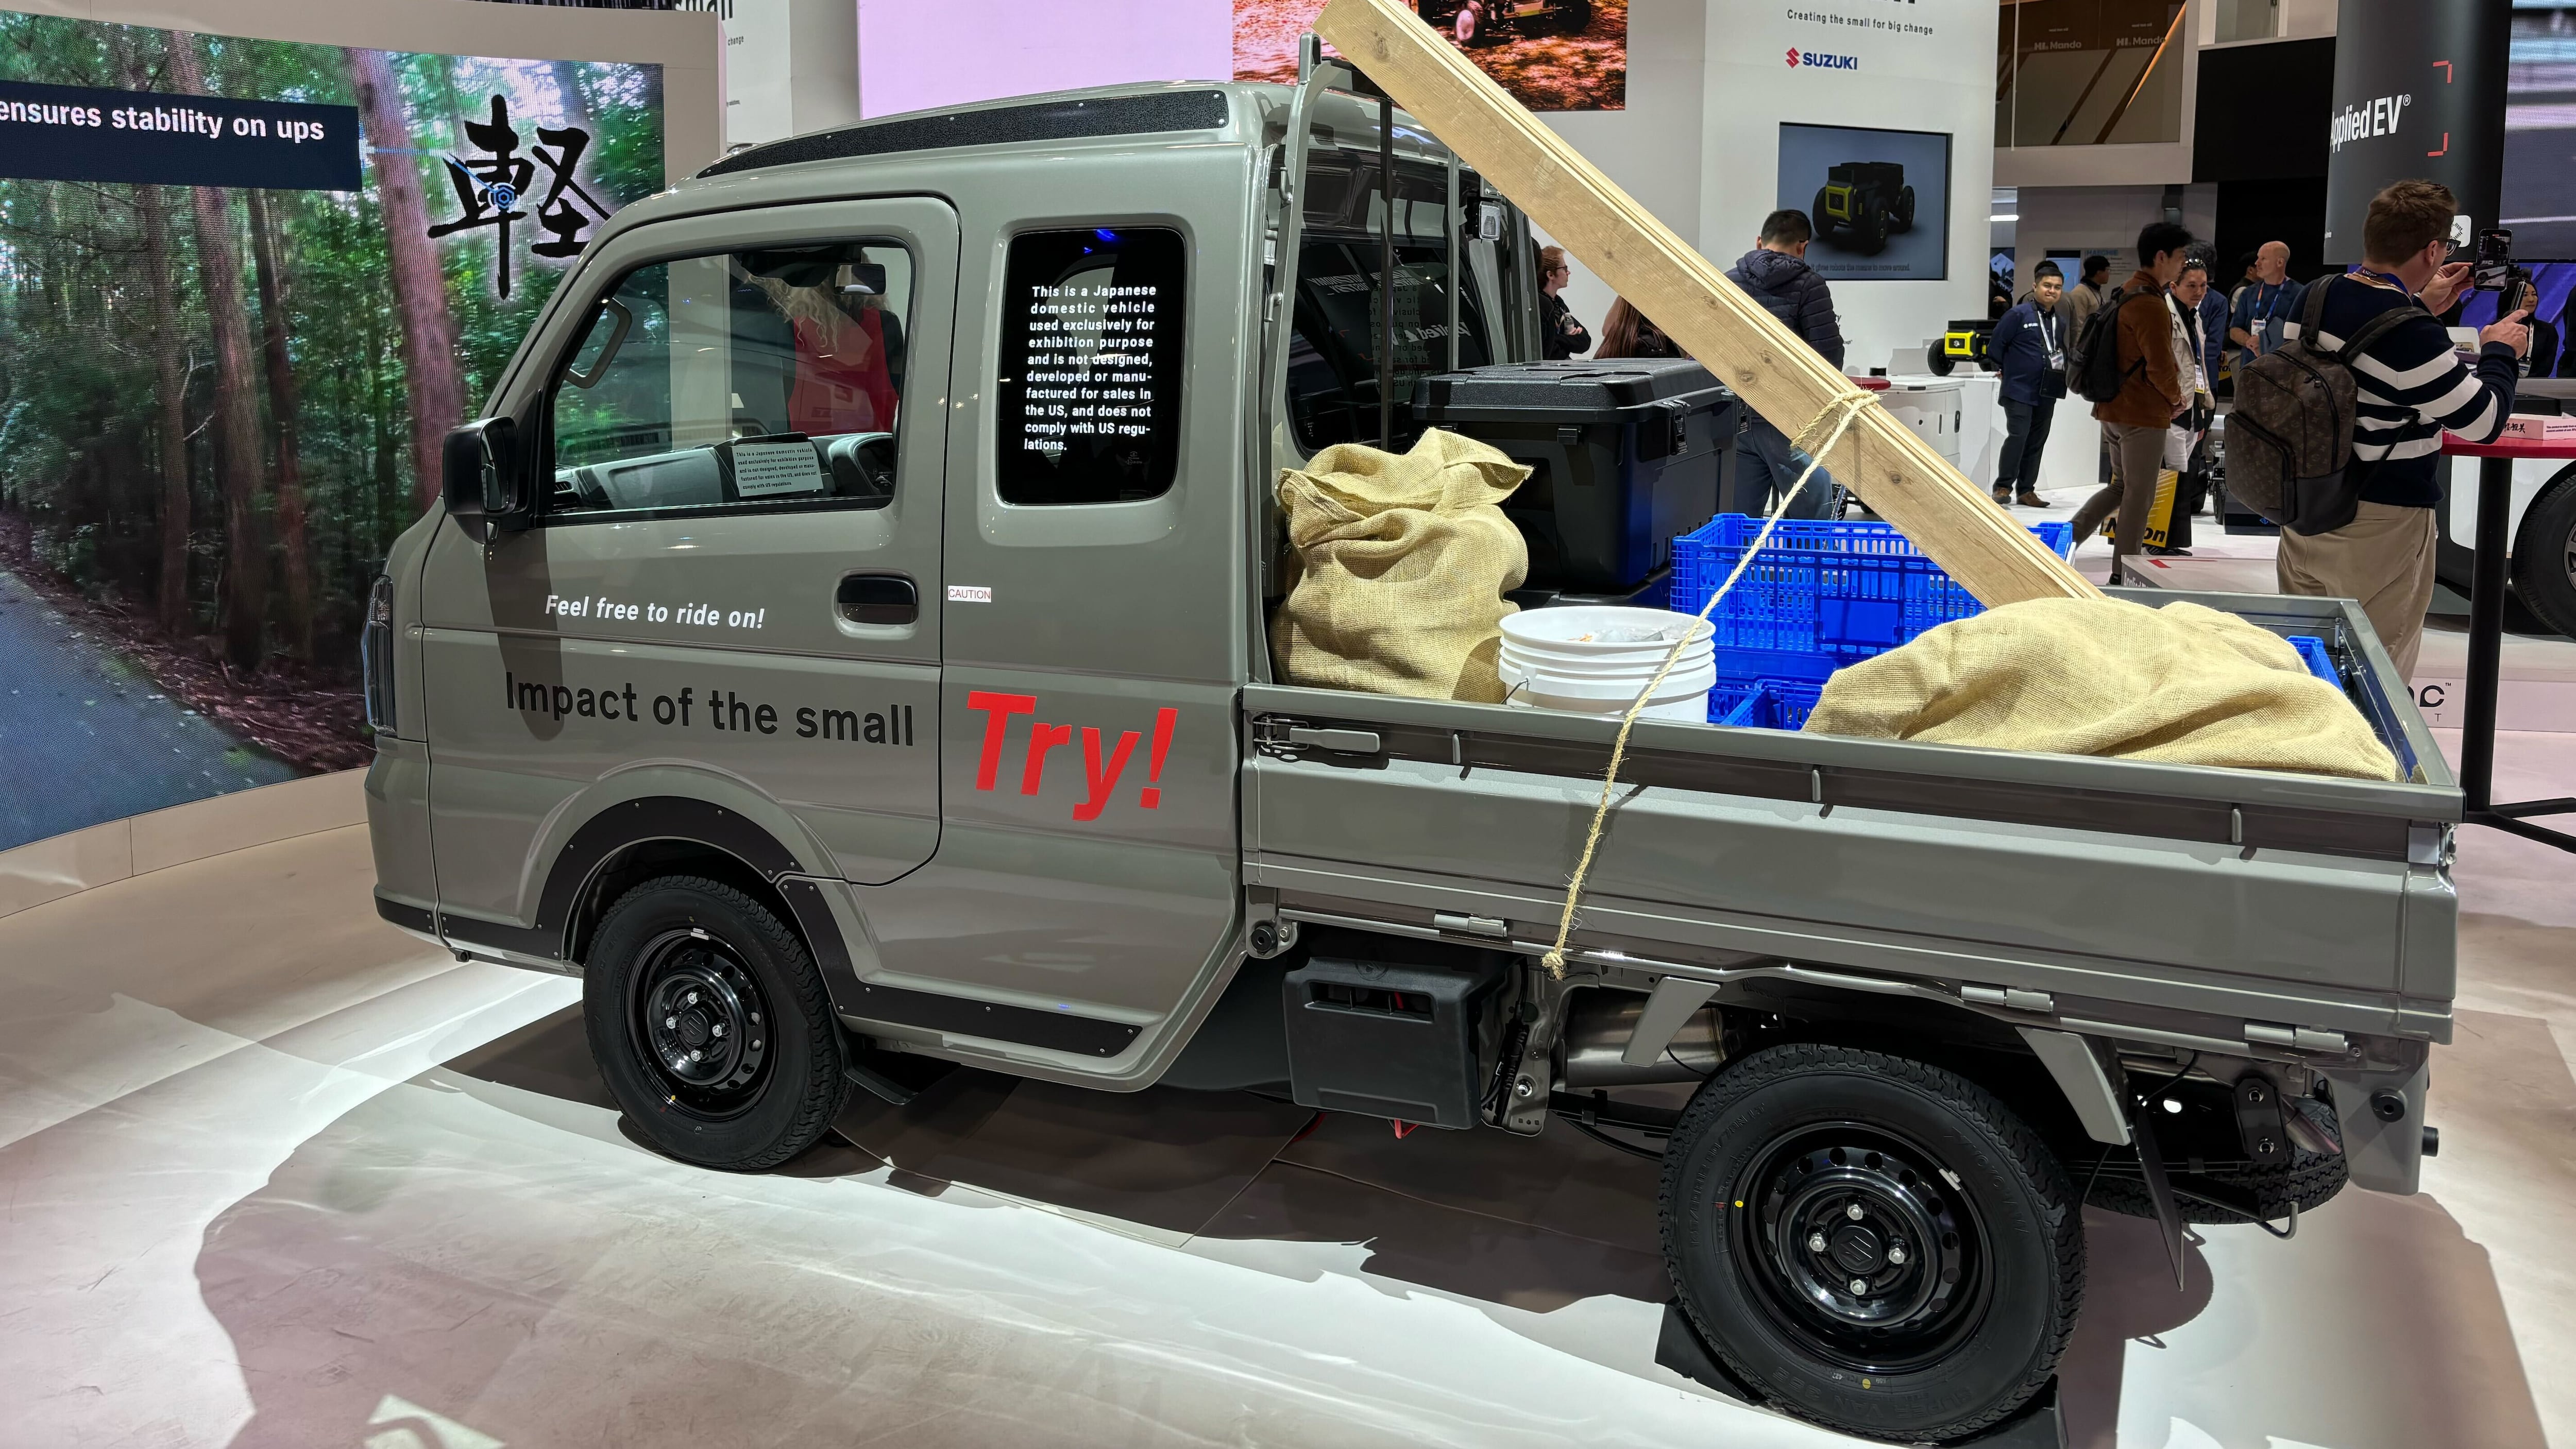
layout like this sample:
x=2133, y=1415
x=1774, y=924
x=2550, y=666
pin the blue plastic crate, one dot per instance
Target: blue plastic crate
x=2320, y=663
x=1768, y=704
x=1820, y=594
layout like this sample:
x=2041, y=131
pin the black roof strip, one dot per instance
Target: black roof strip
x=1051, y=120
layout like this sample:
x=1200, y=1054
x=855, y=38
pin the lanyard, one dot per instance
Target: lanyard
x=2267, y=297
x=2383, y=278
x=2048, y=340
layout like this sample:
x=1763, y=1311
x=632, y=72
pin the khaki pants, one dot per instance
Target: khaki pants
x=2136, y=452
x=2384, y=558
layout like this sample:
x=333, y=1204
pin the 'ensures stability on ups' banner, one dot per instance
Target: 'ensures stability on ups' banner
x=74, y=133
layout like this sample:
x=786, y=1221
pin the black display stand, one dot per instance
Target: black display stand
x=1681, y=1349
x=2486, y=654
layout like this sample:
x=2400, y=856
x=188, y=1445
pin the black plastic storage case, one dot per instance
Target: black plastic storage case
x=1389, y=1038
x=1625, y=455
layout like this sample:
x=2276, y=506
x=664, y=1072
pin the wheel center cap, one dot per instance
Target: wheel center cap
x=1857, y=1249
x=693, y=1030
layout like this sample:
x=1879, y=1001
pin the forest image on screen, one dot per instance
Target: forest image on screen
x=246, y=287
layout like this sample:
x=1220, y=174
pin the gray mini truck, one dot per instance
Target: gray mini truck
x=843, y=647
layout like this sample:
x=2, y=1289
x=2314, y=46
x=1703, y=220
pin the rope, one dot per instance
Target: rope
x=1841, y=411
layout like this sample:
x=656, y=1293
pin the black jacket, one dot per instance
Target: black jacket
x=1556, y=340
x=1790, y=290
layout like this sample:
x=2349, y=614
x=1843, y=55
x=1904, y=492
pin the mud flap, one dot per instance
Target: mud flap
x=2151, y=1167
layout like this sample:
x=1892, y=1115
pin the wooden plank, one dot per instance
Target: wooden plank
x=1689, y=297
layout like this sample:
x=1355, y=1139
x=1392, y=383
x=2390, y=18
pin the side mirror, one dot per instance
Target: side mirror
x=483, y=484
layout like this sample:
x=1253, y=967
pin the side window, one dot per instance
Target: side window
x=741, y=380
x=1090, y=387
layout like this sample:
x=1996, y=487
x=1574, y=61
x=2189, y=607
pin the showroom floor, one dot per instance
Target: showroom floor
x=276, y=1175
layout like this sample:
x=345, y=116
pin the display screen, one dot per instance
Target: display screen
x=2416, y=91
x=1879, y=200
x=232, y=348
x=2540, y=137
x=1551, y=55
x=1090, y=388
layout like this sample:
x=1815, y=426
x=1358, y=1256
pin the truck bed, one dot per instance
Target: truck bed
x=2215, y=909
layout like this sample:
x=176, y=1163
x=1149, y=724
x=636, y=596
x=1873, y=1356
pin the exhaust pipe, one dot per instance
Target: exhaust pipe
x=1600, y=1024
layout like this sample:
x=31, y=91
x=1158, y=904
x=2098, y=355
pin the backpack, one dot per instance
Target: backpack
x=2093, y=367
x=2289, y=440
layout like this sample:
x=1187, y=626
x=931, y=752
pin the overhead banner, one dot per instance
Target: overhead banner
x=2418, y=93
x=76, y=133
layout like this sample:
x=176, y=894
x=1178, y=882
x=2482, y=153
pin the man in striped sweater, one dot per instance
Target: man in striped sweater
x=2412, y=389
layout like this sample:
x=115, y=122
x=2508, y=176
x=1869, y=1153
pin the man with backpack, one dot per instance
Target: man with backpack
x=1775, y=273
x=2127, y=365
x=2364, y=530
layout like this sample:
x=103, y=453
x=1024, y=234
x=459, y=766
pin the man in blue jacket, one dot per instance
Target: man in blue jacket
x=1776, y=275
x=2029, y=345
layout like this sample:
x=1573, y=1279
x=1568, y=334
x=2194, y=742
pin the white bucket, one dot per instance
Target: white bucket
x=1596, y=659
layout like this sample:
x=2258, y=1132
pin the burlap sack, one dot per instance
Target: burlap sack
x=1402, y=561
x=2183, y=684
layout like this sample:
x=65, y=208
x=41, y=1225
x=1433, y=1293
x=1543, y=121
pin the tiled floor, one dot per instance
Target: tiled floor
x=274, y=1174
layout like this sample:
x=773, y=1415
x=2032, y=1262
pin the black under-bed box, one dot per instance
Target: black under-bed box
x=1388, y=1039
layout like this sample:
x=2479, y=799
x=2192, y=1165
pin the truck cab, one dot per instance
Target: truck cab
x=843, y=644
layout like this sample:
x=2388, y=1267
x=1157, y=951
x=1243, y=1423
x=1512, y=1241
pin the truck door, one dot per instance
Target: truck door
x=732, y=594
x=1084, y=894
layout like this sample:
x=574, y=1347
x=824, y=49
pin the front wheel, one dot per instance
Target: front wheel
x=710, y=1025
x=1938, y=359
x=1873, y=1243
x=1817, y=221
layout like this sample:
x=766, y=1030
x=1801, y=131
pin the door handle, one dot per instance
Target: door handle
x=878, y=599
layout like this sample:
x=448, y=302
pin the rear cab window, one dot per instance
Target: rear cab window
x=1091, y=365
x=768, y=379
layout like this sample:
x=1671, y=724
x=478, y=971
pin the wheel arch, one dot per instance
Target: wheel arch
x=653, y=824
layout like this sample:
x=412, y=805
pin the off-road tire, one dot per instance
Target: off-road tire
x=1905, y=209
x=797, y=1088
x=2544, y=555
x=1468, y=28
x=2307, y=1181
x=1817, y=222
x=1937, y=359
x=2011, y=1201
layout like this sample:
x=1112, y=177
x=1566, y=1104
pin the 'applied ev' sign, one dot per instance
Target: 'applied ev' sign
x=75, y=133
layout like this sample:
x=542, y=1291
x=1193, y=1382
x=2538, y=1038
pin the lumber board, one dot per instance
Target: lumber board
x=1896, y=472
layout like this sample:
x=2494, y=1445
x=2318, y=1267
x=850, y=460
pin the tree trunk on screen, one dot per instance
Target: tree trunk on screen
x=437, y=383
x=282, y=410
x=169, y=384
x=237, y=441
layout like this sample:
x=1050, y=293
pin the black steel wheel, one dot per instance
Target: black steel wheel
x=2544, y=554
x=710, y=1025
x=1872, y=1243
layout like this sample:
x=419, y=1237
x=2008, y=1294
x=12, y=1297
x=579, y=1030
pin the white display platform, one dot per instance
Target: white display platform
x=279, y=1175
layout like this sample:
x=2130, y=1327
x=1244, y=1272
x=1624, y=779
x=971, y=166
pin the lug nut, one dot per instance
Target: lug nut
x=693, y=1056
x=1815, y=1242
x=690, y=1000
x=670, y=1023
x=1852, y=1211
x=1896, y=1252
x=717, y=1029
x=755, y=1043
x=1857, y=1286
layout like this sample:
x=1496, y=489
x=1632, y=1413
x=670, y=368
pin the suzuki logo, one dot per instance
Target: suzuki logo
x=1818, y=60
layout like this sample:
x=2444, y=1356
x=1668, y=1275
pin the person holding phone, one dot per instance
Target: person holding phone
x=2412, y=389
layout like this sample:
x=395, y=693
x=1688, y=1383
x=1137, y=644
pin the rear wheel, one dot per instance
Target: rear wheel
x=710, y=1025
x=1817, y=220
x=1905, y=209
x=1938, y=358
x=2544, y=555
x=1870, y=1242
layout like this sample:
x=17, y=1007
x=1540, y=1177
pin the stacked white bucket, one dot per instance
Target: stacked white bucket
x=1597, y=659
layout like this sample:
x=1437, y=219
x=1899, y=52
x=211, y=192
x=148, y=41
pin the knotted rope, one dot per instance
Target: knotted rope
x=1840, y=411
